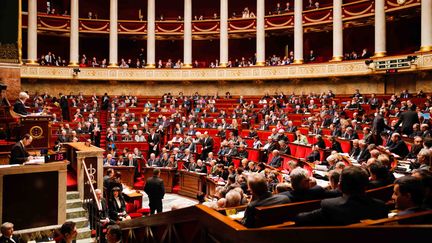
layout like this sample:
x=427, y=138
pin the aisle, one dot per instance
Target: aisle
x=170, y=200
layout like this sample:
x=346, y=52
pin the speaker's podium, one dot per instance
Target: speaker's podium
x=38, y=127
x=82, y=158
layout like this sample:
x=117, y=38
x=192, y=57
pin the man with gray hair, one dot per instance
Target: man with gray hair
x=19, y=106
x=302, y=189
x=7, y=233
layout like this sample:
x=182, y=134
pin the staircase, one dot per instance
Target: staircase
x=76, y=213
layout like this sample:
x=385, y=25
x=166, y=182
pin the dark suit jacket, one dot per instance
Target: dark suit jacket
x=400, y=148
x=336, y=146
x=314, y=156
x=378, y=125
x=155, y=140
x=20, y=108
x=408, y=119
x=18, y=154
x=363, y=155
x=267, y=200
x=313, y=193
x=155, y=189
x=207, y=144
x=354, y=152
x=344, y=210
x=276, y=162
x=114, y=208
x=3, y=239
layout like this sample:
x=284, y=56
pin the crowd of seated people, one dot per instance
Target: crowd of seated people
x=379, y=138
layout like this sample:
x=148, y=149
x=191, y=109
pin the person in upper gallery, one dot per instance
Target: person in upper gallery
x=117, y=206
x=408, y=195
x=398, y=146
x=303, y=190
x=7, y=230
x=257, y=185
x=19, y=106
x=155, y=190
x=353, y=206
x=407, y=119
x=19, y=154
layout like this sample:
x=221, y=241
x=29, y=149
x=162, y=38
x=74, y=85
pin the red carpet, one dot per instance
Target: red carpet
x=71, y=181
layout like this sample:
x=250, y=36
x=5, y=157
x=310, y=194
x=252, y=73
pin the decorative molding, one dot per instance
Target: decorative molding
x=320, y=70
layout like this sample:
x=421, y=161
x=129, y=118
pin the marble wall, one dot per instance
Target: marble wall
x=10, y=75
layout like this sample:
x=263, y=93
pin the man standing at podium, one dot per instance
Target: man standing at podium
x=19, y=106
x=19, y=154
x=155, y=190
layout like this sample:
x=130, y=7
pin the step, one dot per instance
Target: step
x=81, y=222
x=74, y=203
x=75, y=213
x=83, y=233
x=72, y=195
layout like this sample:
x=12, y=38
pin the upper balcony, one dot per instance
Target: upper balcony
x=209, y=28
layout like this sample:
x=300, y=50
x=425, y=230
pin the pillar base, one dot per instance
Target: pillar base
x=223, y=64
x=337, y=59
x=425, y=49
x=73, y=64
x=32, y=62
x=113, y=65
x=380, y=54
x=298, y=61
x=260, y=64
x=187, y=65
x=150, y=66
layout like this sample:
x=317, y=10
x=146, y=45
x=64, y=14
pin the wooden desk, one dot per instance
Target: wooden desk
x=127, y=173
x=33, y=196
x=191, y=183
x=131, y=197
x=167, y=175
x=211, y=186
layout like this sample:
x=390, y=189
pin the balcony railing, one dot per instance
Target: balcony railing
x=320, y=70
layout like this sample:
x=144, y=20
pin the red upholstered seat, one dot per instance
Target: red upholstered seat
x=253, y=155
x=143, y=211
x=139, y=185
x=236, y=161
x=135, y=215
x=346, y=145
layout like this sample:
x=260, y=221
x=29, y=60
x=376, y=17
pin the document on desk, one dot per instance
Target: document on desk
x=37, y=160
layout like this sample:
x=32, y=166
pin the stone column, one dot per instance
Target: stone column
x=32, y=32
x=260, y=34
x=113, y=38
x=187, y=30
x=298, y=31
x=426, y=25
x=380, y=28
x=337, y=31
x=223, y=43
x=151, y=34
x=74, y=34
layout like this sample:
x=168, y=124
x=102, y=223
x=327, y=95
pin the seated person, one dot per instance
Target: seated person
x=98, y=214
x=276, y=161
x=349, y=208
x=117, y=206
x=314, y=155
x=302, y=188
x=257, y=185
x=7, y=233
x=378, y=175
x=19, y=154
x=300, y=138
x=408, y=195
x=398, y=146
